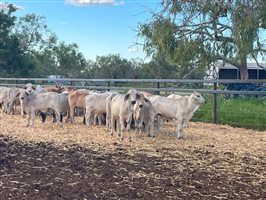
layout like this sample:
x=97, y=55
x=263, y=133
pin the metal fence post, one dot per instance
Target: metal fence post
x=158, y=87
x=108, y=85
x=214, y=105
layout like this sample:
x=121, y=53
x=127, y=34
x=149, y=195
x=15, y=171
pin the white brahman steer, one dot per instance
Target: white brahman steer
x=43, y=101
x=95, y=103
x=64, y=105
x=174, y=96
x=39, y=89
x=64, y=108
x=181, y=110
x=29, y=87
x=141, y=114
x=4, y=95
x=108, y=109
x=122, y=110
x=13, y=99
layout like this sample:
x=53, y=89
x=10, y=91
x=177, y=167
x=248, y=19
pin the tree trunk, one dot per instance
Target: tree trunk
x=243, y=68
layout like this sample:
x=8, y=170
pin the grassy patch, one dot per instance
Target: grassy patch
x=239, y=112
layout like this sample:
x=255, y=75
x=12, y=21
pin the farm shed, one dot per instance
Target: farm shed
x=228, y=71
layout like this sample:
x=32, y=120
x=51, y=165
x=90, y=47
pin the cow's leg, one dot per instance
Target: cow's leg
x=61, y=117
x=21, y=108
x=95, y=117
x=13, y=107
x=158, y=122
x=55, y=117
x=141, y=124
x=186, y=120
x=87, y=117
x=71, y=113
x=57, y=113
x=128, y=128
x=28, y=119
x=136, y=124
x=147, y=128
x=179, y=128
x=122, y=127
x=112, y=125
x=68, y=114
x=42, y=116
x=32, y=116
x=100, y=120
x=151, y=122
x=107, y=121
x=140, y=128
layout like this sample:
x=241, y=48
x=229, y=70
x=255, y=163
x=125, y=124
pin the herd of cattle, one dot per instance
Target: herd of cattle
x=117, y=111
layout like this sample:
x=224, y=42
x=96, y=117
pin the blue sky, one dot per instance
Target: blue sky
x=99, y=27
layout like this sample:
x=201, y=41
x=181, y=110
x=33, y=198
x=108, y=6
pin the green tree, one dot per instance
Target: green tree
x=13, y=62
x=38, y=43
x=198, y=33
x=70, y=62
x=34, y=34
x=113, y=66
x=158, y=68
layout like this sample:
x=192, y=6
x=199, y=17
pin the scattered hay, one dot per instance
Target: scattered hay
x=220, y=138
x=77, y=162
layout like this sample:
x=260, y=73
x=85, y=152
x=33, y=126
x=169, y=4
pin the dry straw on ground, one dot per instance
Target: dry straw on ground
x=223, y=138
x=77, y=162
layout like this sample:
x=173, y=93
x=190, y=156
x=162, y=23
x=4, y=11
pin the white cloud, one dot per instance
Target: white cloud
x=4, y=6
x=132, y=49
x=93, y=2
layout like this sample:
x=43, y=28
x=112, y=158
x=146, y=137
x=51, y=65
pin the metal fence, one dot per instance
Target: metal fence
x=213, y=88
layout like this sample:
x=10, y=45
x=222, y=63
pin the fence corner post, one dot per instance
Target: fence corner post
x=214, y=105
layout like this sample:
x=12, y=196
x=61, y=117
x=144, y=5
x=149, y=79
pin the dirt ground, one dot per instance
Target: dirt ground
x=76, y=162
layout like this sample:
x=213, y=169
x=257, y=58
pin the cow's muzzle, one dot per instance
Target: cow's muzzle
x=140, y=106
x=133, y=102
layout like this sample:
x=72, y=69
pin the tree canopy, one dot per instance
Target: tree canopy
x=194, y=34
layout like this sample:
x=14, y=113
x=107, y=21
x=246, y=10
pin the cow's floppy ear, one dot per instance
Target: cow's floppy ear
x=126, y=97
x=147, y=101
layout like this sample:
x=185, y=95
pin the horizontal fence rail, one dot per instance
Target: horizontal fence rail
x=158, y=88
x=141, y=80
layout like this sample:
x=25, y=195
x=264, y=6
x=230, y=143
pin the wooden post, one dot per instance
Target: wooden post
x=214, y=108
